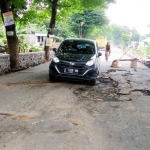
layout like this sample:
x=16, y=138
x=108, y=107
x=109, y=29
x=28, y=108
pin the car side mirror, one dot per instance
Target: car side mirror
x=99, y=54
x=54, y=49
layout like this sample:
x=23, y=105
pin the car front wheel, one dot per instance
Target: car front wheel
x=93, y=82
x=52, y=78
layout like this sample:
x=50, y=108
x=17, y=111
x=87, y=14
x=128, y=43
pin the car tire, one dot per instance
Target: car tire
x=93, y=82
x=52, y=78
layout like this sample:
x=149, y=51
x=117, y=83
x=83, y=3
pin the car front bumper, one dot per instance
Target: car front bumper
x=85, y=73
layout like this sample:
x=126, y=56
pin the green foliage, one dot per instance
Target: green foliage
x=147, y=51
x=117, y=32
x=18, y=4
x=34, y=15
x=135, y=35
x=19, y=7
x=36, y=48
x=63, y=30
x=2, y=32
x=143, y=51
x=92, y=19
x=66, y=7
x=3, y=40
x=101, y=31
x=36, y=18
x=24, y=44
x=31, y=28
x=41, y=11
x=126, y=38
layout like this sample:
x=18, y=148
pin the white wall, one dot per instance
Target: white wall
x=33, y=39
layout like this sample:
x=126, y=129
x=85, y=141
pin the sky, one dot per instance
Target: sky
x=131, y=13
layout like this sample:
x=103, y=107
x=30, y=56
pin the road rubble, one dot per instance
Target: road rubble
x=117, y=85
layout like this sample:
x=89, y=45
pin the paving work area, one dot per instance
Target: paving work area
x=38, y=115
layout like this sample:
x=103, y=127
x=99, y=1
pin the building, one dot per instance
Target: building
x=38, y=39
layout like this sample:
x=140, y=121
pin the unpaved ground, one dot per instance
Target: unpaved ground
x=38, y=115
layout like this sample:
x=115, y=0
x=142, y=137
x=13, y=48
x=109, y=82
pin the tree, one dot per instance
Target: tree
x=117, y=32
x=92, y=19
x=102, y=31
x=12, y=39
x=126, y=38
x=63, y=29
x=65, y=7
x=135, y=35
x=59, y=9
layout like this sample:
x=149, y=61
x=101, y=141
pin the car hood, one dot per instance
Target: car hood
x=74, y=57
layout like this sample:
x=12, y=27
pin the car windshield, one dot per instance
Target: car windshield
x=77, y=47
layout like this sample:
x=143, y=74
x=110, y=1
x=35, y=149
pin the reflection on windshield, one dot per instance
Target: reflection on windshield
x=77, y=47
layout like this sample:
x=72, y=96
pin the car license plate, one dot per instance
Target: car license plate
x=68, y=70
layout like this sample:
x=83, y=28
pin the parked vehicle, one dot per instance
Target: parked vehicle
x=76, y=59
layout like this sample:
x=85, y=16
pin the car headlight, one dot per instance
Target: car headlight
x=90, y=63
x=55, y=59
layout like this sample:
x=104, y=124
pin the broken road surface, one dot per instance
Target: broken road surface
x=38, y=115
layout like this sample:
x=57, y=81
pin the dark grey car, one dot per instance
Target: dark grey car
x=76, y=59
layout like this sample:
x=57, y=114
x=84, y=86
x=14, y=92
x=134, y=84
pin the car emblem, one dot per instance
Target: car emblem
x=71, y=63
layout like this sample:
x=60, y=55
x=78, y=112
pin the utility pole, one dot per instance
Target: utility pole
x=79, y=31
x=81, y=25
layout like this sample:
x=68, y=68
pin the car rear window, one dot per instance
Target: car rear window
x=77, y=47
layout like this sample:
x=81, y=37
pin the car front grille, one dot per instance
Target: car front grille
x=80, y=67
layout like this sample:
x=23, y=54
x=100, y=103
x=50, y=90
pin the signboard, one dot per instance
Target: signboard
x=49, y=41
x=8, y=18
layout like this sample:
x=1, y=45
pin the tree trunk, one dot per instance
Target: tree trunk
x=51, y=28
x=12, y=40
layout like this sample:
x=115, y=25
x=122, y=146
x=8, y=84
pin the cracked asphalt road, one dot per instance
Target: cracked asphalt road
x=38, y=115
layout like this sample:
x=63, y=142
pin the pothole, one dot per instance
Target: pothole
x=106, y=90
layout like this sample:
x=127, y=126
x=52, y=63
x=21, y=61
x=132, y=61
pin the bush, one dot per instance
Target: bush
x=143, y=51
x=36, y=48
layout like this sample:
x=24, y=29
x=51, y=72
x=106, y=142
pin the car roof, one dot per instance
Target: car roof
x=80, y=39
